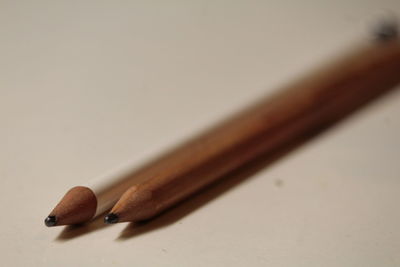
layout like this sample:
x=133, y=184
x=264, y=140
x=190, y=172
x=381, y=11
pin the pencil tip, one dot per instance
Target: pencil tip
x=111, y=218
x=50, y=221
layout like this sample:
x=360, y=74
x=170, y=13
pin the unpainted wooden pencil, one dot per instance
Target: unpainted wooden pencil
x=320, y=99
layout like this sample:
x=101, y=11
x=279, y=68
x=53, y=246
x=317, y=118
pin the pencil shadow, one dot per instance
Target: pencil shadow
x=232, y=179
x=73, y=231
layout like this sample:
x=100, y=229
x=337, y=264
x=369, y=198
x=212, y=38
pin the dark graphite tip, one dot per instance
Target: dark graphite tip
x=50, y=221
x=111, y=218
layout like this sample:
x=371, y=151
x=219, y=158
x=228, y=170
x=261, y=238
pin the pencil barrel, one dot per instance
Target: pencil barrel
x=308, y=105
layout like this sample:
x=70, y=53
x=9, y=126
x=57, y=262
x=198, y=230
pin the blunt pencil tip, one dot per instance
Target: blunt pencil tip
x=111, y=218
x=50, y=221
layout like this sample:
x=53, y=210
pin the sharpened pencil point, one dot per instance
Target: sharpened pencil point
x=111, y=218
x=50, y=221
x=77, y=206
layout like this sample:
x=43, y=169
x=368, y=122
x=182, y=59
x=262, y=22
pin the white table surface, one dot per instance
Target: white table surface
x=88, y=85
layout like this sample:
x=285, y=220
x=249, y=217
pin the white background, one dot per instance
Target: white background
x=88, y=85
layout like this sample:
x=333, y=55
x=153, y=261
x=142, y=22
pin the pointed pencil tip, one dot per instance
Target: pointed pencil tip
x=77, y=206
x=111, y=218
x=50, y=221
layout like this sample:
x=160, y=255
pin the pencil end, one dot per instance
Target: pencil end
x=136, y=204
x=77, y=206
x=50, y=221
x=111, y=218
x=387, y=30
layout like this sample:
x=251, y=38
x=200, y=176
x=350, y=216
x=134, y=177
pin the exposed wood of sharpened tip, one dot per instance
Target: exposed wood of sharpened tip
x=313, y=103
x=77, y=206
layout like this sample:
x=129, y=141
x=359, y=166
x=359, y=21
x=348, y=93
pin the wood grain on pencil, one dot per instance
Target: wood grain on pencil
x=314, y=102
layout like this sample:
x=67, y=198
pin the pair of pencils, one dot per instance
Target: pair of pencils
x=314, y=102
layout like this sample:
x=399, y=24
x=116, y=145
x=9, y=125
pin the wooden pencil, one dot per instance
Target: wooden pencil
x=82, y=203
x=312, y=103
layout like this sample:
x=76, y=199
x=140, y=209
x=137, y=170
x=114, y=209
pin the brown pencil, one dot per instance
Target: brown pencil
x=313, y=103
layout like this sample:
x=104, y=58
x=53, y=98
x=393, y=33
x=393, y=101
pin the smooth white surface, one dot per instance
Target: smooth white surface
x=88, y=85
